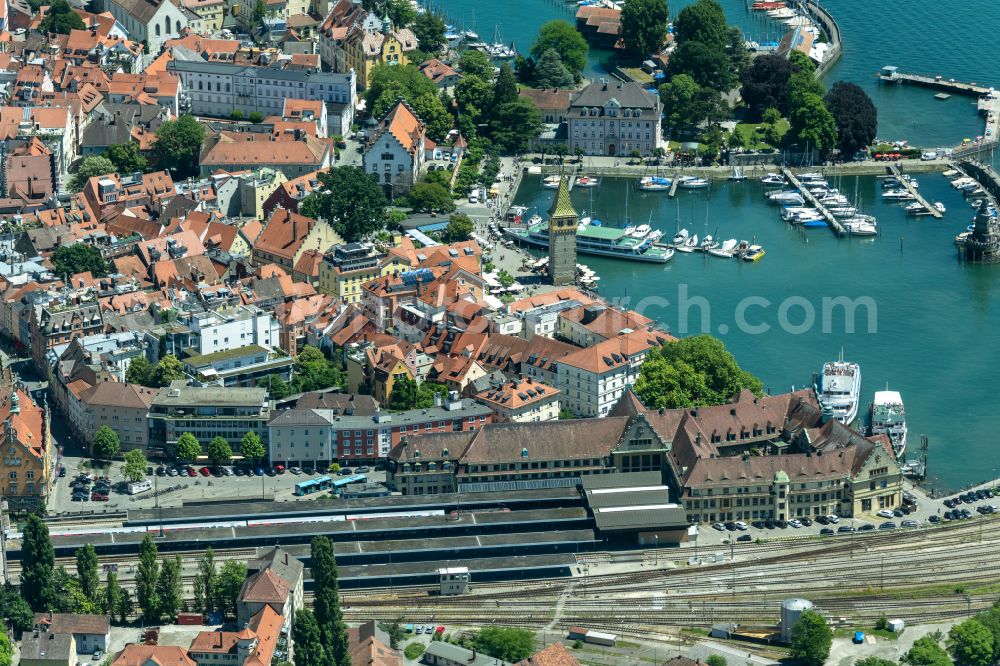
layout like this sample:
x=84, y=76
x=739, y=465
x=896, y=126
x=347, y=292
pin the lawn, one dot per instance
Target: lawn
x=414, y=650
x=638, y=75
x=747, y=131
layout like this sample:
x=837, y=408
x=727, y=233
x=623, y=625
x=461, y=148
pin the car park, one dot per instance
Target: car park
x=887, y=525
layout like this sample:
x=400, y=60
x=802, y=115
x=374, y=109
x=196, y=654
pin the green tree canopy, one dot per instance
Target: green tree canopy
x=404, y=394
x=811, y=639
x=106, y=443
x=90, y=166
x=459, y=229
x=227, y=588
x=61, y=19
x=716, y=660
x=188, y=447
x=391, y=82
x=474, y=95
x=802, y=62
x=506, y=86
x=765, y=84
x=313, y=371
x=6, y=651
x=802, y=83
x=506, y=643
x=874, y=661
x=550, y=72
x=350, y=200
x=971, y=644
x=427, y=197
x=309, y=647
x=251, y=448
x=167, y=370
x=429, y=30
x=169, y=593
x=86, y=570
x=219, y=451
x=562, y=37
x=134, y=468
x=178, y=146
x=813, y=125
x=146, y=579
x=138, y=371
x=679, y=98
x=476, y=63
x=515, y=125
x=855, y=115
x=276, y=386
x=709, y=67
x=326, y=601
x=643, y=27
x=433, y=115
x=704, y=22
x=79, y=258
x=926, y=652
x=127, y=158
x=692, y=371
x=16, y=610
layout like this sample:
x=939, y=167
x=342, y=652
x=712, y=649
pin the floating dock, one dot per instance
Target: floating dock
x=890, y=74
x=905, y=182
x=673, y=185
x=834, y=223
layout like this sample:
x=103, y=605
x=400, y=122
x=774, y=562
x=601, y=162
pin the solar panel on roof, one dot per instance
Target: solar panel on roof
x=417, y=276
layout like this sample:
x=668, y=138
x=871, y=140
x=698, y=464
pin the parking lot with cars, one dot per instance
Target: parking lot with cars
x=81, y=488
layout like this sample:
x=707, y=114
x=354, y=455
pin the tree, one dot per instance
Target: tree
x=771, y=115
x=506, y=86
x=350, y=200
x=92, y=165
x=855, y=115
x=971, y=644
x=178, y=146
x=476, y=63
x=251, y=448
x=459, y=229
x=86, y=570
x=679, y=100
x=134, y=468
x=6, y=651
x=146, y=580
x=550, y=72
x=926, y=652
x=126, y=157
x=473, y=96
x=562, y=37
x=515, y=126
x=874, y=661
x=228, y=586
x=692, y=371
x=79, y=258
x=404, y=394
x=309, y=645
x=802, y=62
x=716, y=660
x=111, y=598
x=276, y=386
x=106, y=444
x=326, y=601
x=765, y=84
x=704, y=22
x=167, y=370
x=37, y=565
x=69, y=596
x=811, y=639
x=427, y=197
x=61, y=19
x=506, y=643
x=429, y=30
x=205, y=582
x=138, y=371
x=219, y=451
x=505, y=279
x=813, y=125
x=391, y=82
x=434, y=116
x=169, y=594
x=800, y=84
x=643, y=27
x=188, y=448
x=710, y=68
x=314, y=371
x=17, y=611
x=739, y=57
x=400, y=13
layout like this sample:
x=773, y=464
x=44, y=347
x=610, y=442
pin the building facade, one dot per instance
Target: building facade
x=395, y=155
x=614, y=118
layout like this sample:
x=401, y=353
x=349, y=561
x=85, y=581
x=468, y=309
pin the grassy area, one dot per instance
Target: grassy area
x=753, y=140
x=848, y=632
x=414, y=650
x=638, y=75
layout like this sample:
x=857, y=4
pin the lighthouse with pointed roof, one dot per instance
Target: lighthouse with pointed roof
x=563, y=223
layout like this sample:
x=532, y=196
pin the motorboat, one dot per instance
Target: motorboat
x=725, y=250
x=535, y=219
x=888, y=417
x=692, y=183
x=641, y=231
x=860, y=227
x=843, y=211
x=689, y=244
x=818, y=223
x=897, y=195
x=587, y=181
x=551, y=182
x=708, y=243
x=840, y=389
x=774, y=179
x=914, y=208
x=753, y=253
x=681, y=237
x=654, y=184
x=788, y=213
x=810, y=177
x=786, y=197
x=939, y=207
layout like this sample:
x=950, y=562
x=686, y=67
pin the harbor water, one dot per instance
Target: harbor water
x=934, y=318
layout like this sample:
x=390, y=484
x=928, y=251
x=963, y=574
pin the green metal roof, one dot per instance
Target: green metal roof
x=604, y=233
x=561, y=205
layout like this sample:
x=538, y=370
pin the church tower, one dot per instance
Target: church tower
x=563, y=222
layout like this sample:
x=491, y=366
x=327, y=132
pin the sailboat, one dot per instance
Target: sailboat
x=725, y=250
x=737, y=174
x=688, y=245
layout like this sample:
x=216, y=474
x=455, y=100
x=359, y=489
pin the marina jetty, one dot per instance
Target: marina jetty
x=908, y=184
x=982, y=243
x=834, y=223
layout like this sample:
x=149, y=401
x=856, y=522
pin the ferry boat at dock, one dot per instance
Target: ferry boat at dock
x=840, y=389
x=889, y=418
x=598, y=240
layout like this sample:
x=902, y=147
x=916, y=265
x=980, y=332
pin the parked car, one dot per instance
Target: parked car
x=172, y=472
x=910, y=523
x=344, y=471
x=259, y=471
x=743, y=538
x=228, y=471
x=429, y=629
x=295, y=470
x=161, y=470
x=845, y=529
x=807, y=522
x=741, y=526
x=364, y=469
x=719, y=526
x=191, y=471
x=239, y=471
x=887, y=525
x=826, y=531
x=205, y=471
x=867, y=527
x=794, y=523
x=730, y=525
x=97, y=655
x=822, y=520
x=934, y=519
x=308, y=470
x=884, y=513
x=833, y=518
x=62, y=472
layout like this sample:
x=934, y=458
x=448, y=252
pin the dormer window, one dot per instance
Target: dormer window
x=627, y=113
x=638, y=112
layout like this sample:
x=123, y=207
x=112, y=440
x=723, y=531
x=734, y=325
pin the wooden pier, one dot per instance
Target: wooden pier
x=834, y=223
x=673, y=185
x=889, y=74
x=931, y=210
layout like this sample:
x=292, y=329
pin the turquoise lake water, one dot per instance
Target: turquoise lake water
x=937, y=318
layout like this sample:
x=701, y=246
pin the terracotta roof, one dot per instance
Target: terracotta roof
x=136, y=654
x=265, y=587
x=239, y=148
x=615, y=352
x=284, y=234
x=547, y=99
x=516, y=394
x=554, y=655
x=549, y=298
x=72, y=623
x=402, y=122
x=119, y=394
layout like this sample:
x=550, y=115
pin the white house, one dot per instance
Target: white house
x=223, y=330
x=614, y=118
x=150, y=21
x=395, y=154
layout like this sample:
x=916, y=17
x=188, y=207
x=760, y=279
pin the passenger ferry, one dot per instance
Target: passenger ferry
x=889, y=418
x=840, y=389
x=600, y=241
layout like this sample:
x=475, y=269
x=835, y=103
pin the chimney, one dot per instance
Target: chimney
x=295, y=227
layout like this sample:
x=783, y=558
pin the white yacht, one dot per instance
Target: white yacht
x=551, y=182
x=774, y=179
x=692, y=183
x=708, y=243
x=840, y=389
x=897, y=195
x=725, y=250
x=786, y=197
x=860, y=226
x=889, y=418
x=641, y=231
x=688, y=245
x=681, y=237
x=654, y=184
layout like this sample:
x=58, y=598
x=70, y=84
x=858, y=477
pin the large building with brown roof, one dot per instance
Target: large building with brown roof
x=120, y=406
x=254, y=645
x=293, y=154
x=287, y=235
x=522, y=400
x=138, y=654
x=395, y=154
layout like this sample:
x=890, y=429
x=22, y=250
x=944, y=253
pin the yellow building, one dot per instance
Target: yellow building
x=256, y=188
x=210, y=13
x=27, y=466
x=343, y=271
x=364, y=48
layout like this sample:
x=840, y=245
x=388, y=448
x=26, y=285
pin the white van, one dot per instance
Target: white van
x=474, y=196
x=137, y=487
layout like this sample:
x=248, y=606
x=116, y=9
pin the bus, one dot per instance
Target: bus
x=313, y=486
x=346, y=480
